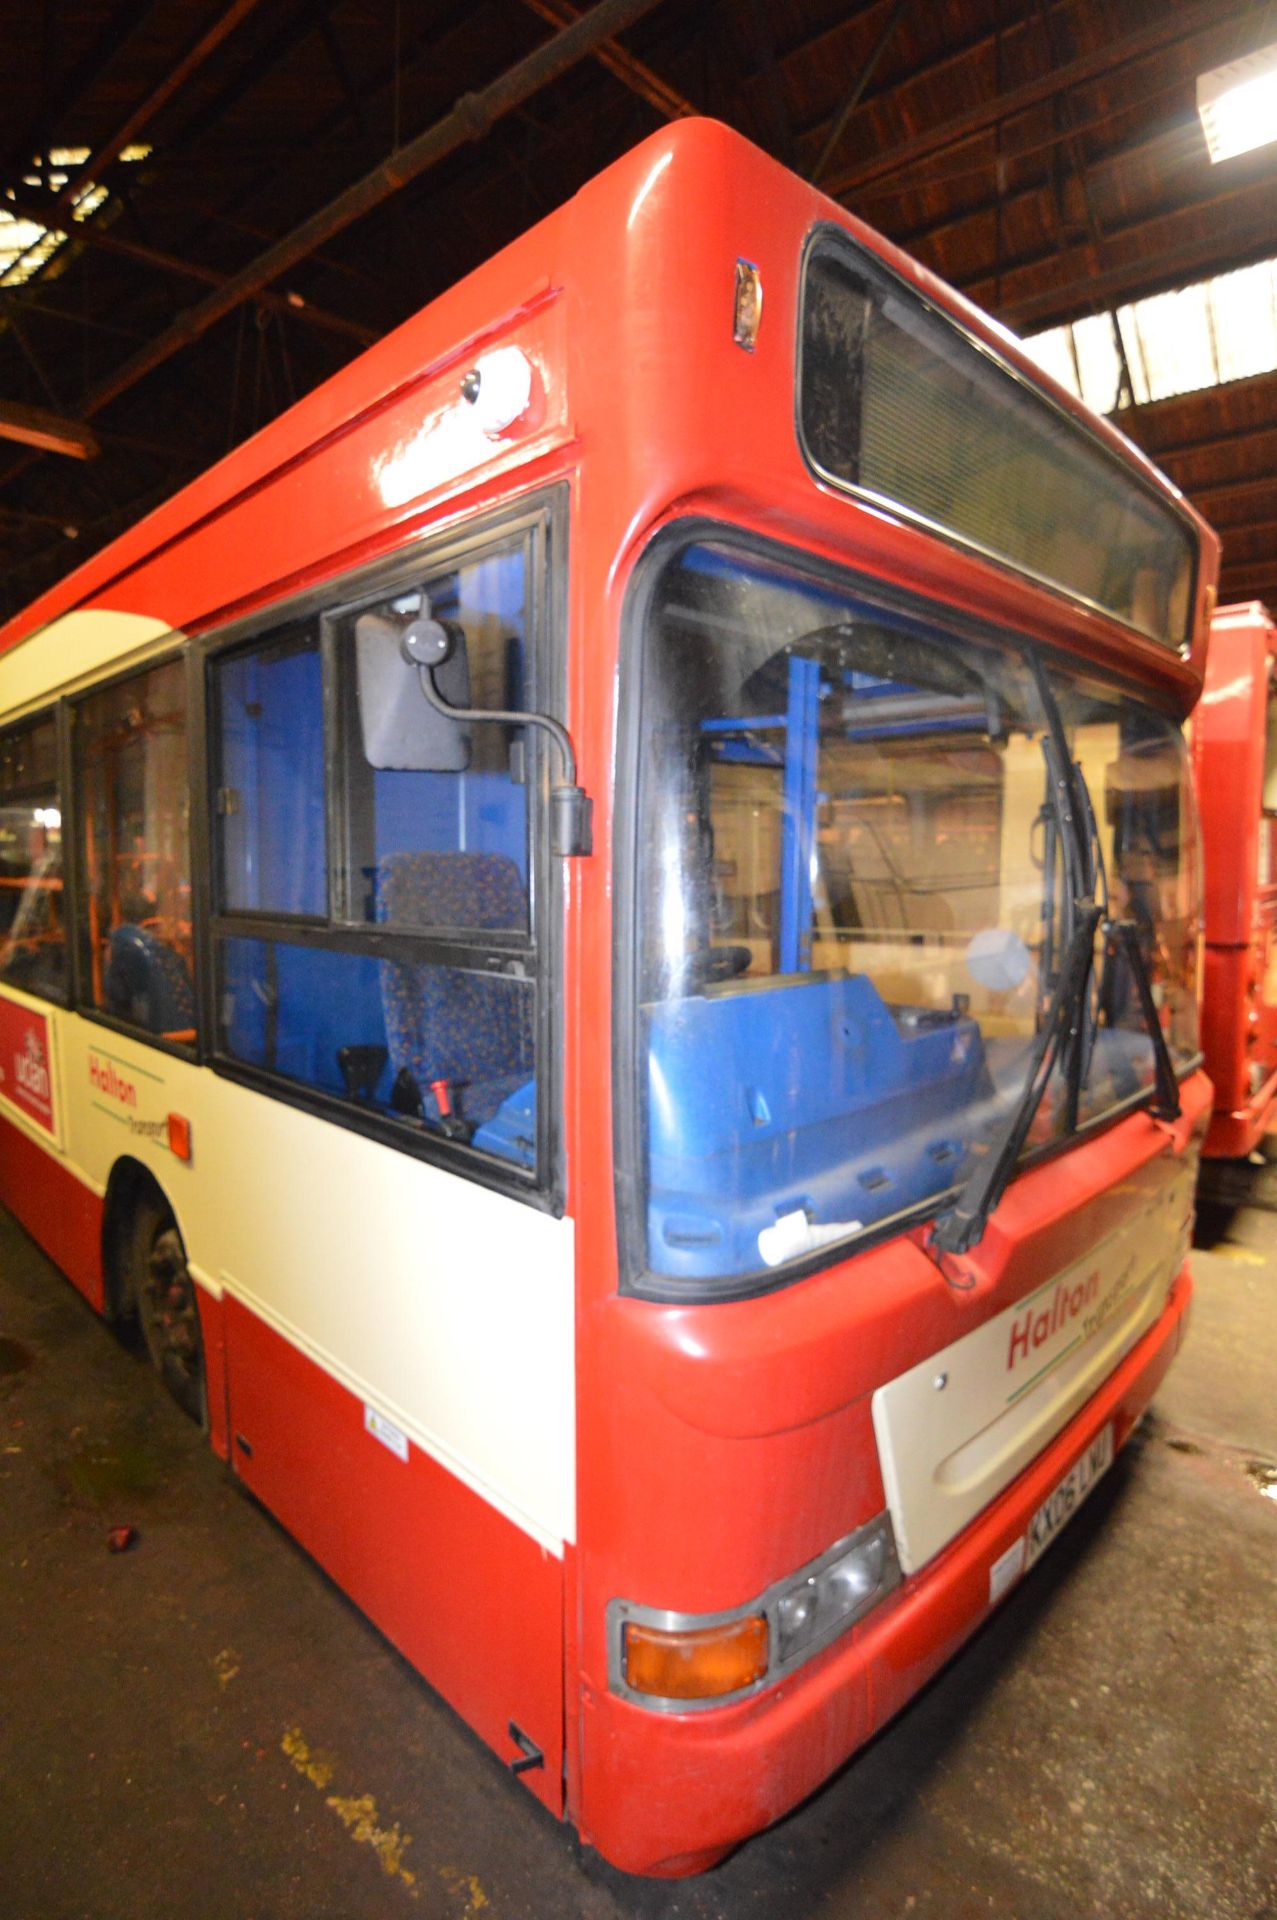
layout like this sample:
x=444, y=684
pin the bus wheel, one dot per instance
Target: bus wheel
x=167, y=1308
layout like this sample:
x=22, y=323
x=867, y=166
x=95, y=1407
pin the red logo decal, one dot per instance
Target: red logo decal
x=25, y=1078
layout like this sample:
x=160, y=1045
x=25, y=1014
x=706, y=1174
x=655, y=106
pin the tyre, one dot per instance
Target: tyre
x=167, y=1307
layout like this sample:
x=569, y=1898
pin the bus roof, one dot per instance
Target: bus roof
x=629, y=231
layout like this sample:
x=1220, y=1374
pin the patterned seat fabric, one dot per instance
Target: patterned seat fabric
x=147, y=982
x=473, y=1029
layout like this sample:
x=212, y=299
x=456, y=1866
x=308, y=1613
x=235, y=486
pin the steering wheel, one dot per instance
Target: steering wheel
x=711, y=966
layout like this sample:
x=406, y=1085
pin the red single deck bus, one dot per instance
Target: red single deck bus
x=1235, y=762
x=604, y=947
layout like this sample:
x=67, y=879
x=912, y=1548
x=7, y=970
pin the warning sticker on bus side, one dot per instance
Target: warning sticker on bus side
x=386, y=1431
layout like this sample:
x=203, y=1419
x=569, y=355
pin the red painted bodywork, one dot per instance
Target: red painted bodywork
x=718, y=1448
x=463, y=1592
x=212, y=1312
x=1239, y=843
x=62, y=1214
x=692, y=1783
x=766, y=1403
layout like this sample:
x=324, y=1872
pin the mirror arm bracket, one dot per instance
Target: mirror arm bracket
x=571, y=808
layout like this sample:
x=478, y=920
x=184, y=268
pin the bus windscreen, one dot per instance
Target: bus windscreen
x=857, y=900
x=898, y=403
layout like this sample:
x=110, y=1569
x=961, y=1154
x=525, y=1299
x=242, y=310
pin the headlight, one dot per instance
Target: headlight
x=676, y=1661
x=839, y=1590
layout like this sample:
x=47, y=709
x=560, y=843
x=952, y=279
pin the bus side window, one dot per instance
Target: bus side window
x=32, y=931
x=379, y=876
x=269, y=801
x=131, y=771
x=399, y=802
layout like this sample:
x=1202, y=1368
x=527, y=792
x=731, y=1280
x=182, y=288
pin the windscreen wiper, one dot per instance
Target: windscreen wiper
x=1062, y=799
x=1123, y=935
x=1097, y=872
x=1165, y=1103
x=963, y=1225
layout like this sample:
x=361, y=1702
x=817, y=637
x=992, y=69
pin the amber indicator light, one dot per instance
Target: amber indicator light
x=179, y=1136
x=700, y=1663
x=748, y=309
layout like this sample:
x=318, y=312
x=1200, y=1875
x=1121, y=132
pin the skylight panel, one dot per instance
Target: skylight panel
x=1053, y=352
x=1179, y=342
x=26, y=246
x=1176, y=341
x=1098, y=362
x=16, y=236
x=1244, y=306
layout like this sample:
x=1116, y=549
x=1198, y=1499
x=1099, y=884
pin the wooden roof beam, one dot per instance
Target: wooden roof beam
x=50, y=432
x=66, y=94
x=631, y=72
x=1041, y=146
x=1169, y=28
x=1102, y=170
x=1247, y=233
x=1263, y=531
x=1248, y=583
x=86, y=233
x=470, y=119
x=1252, y=488
x=197, y=53
x=856, y=92
x=472, y=116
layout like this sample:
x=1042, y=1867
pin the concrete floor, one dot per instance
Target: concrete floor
x=201, y=1728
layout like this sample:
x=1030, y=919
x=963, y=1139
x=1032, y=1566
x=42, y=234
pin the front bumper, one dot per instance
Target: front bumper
x=671, y=1793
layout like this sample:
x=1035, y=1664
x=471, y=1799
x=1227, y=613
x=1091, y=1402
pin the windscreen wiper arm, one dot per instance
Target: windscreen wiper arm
x=963, y=1225
x=1124, y=935
x=1080, y=1069
x=1165, y=1103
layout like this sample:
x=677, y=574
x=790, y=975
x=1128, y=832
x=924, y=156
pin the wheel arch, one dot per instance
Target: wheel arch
x=129, y=1184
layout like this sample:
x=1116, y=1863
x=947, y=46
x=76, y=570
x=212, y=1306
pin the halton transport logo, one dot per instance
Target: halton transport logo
x=103, y=1076
x=116, y=1087
x=1032, y=1330
x=26, y=1063
x=1095, y=1302
x=31, y=1069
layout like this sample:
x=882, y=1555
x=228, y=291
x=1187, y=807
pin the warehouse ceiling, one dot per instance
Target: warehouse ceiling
x=166, y=286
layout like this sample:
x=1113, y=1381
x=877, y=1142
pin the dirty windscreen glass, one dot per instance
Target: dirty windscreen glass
x=897, y=401
x=1135, y=767
x=854, y=900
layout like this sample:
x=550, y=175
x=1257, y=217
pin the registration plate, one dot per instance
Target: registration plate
x=1055, y=1512
x=1059, y=1507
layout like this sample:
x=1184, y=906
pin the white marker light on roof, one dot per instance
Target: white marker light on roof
x=499, y=388
x=456, y=436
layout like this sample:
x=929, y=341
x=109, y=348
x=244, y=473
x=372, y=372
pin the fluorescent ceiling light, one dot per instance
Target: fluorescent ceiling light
x=1238, y=104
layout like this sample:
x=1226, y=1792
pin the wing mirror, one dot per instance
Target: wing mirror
x=434, y=647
